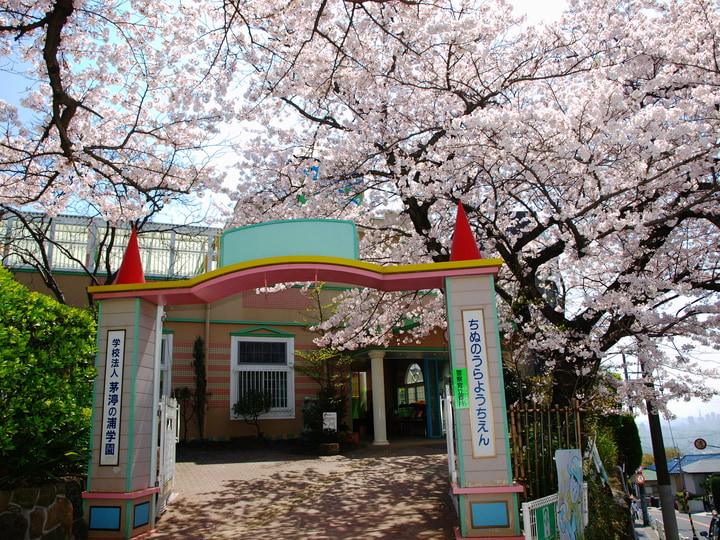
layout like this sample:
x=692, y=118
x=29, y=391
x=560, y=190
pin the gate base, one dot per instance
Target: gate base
x=459, y=536
x=120, y=515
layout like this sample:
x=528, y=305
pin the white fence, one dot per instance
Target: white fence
x=548, y=516
x=548, y=504
x=75, y=245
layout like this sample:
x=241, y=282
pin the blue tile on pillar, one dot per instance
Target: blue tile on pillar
x=104, y=518
x=141, y=515
x=489, y=514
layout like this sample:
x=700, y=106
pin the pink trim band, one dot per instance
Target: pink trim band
x=133, y=495
x=239, y=277
x=458, y=536
x=141, y=536
x=515, y=488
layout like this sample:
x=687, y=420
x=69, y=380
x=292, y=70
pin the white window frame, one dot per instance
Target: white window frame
x=412, y=389
x=235, y=369
x=166, y=364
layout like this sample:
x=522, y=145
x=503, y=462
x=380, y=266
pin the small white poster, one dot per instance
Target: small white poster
x=330, y=420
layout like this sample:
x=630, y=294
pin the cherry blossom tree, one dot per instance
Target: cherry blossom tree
x=119, y=121
x=584, y=152
x=120, y=105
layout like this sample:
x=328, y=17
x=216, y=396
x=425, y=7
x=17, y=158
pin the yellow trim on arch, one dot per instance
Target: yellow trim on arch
x=298, y=259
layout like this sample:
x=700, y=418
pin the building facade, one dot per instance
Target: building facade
x=79, y=252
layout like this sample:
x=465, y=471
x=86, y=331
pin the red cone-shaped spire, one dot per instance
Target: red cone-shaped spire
x=464, y=247
x=131, y=270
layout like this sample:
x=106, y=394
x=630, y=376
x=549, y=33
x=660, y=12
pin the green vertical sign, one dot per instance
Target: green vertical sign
x=546, y=521
x=461, y=388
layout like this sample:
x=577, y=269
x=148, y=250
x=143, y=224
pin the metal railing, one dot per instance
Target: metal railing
x=74, y=244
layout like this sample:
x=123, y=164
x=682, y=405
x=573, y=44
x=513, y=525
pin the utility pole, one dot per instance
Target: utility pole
x=644, y=505
x=641, y=487
x=667, y=502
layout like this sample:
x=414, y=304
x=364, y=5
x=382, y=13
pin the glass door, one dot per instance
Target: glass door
x=436, y=371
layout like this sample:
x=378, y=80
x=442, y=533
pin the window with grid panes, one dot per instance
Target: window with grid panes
x=264, y=364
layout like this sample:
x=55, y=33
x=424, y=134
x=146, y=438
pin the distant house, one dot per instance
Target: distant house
x=692, y=470
x=689, y=471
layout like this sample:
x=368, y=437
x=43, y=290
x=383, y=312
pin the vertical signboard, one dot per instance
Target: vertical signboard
x=478, y=374
x=570, y=494
x=460, y=388
x=112, y=398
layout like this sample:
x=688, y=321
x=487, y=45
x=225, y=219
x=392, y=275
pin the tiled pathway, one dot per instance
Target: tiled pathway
x=377, y=492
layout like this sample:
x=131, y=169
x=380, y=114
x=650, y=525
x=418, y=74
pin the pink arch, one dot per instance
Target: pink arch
x=236, y=278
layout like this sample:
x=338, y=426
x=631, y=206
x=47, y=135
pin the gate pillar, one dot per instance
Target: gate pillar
x=120, y=497
x=377, y=372
x=486, y=498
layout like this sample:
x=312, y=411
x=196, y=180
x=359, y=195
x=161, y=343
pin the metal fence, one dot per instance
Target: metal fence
x=74, y=244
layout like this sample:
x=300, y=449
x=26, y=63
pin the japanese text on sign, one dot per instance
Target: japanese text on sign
x=112, y=398
x=479, y=386
x=461, y=388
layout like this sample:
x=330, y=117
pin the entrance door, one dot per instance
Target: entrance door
x=436, y=371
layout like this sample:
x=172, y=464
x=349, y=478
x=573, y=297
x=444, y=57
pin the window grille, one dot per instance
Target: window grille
x=272, y=382
x=414, y=388
x=262, y=352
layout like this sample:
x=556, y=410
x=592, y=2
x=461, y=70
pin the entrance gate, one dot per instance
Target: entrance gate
x=168, y=439
x=128, y=482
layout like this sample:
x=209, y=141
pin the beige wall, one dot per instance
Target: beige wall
x=73, y=286
x=285, y=312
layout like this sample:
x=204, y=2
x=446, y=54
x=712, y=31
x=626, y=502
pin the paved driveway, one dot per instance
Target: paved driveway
x=397, y=491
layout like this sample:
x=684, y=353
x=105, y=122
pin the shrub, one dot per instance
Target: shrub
x=628, y=441
x=330, y=370
x=607, y=448
x=251, y=406
x=714, y=484
x=46, y=373
x=608, y=519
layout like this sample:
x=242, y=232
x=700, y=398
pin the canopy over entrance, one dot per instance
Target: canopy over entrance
x=239, y=277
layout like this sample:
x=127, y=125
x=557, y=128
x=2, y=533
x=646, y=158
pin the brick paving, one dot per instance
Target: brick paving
x=398, y=491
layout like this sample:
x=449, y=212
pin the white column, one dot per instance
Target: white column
x=378, y=389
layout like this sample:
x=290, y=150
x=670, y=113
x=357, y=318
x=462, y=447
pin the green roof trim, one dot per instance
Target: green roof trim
x=261, y=331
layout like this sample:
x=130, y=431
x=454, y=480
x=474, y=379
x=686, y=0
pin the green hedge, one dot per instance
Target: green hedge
x=47, y=353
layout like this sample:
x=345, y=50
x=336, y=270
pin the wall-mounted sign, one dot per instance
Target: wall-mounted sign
x=112, y=398
x=479, y=386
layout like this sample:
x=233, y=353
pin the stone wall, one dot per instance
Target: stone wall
x=48, y=512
